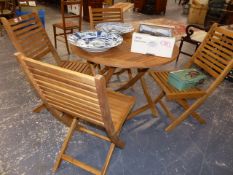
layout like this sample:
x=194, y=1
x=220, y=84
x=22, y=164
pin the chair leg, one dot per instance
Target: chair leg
x=145, y=107
x=65, y=144
x=148, y=98
x=185, y=114
x=66, y=41
x=168, y=112
x=129, y=74
x=108, y=158
x=185, y=105
x=63, y=156
x=55, y=36
x=39, y=108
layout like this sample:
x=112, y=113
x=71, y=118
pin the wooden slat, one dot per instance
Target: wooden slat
x=209, y=54
x=217, y=41
x=215, y=62
x=81, y=164
x=227, y=52
x=76, y=114
x=98, y=15
x=78, y=100
x=23, y=24
x=74, y=108
x=86, y=79
x=84, y=105
x=25, y=36
x=219, y=54
x=25, y=41
x=40, y=54
x=225, y=32
x=210, y=64
x=16, y=20
x=61, y=78
x=68, y=90
x=207, y=68
x=36, y=48
x=27, y=29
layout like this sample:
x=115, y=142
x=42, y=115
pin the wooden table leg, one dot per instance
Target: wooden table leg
x=145, y=107
x=132, y=81
x=109, y=74
x=148, y=97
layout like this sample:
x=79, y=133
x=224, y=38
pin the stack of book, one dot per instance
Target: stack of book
x=186, y=78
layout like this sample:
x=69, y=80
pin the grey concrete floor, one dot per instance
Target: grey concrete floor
x=29, y=142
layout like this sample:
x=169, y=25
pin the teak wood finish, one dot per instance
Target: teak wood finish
x=215, y=57
x=98, y=15
x=70, y=22
x=30, y=38
x=74, y=97
x=122, y=57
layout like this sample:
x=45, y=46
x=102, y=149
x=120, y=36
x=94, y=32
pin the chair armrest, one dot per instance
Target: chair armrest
x=189, y=31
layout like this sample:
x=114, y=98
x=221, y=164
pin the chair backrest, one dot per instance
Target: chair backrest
x=72, y=93
x=74, y=9
x=98, y=15
x=29, y=37
x=215, y=54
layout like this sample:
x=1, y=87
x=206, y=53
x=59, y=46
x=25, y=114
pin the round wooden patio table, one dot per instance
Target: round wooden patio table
x=122, y=57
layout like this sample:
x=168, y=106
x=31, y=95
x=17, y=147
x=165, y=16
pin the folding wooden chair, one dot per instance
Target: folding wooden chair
x=98, y=15
x=77, y=99
x=70, y=21
x=30, y=38
x=215, y=57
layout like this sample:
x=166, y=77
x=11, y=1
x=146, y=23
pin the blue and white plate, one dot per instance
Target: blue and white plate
x=95, y=41
x=115, y=27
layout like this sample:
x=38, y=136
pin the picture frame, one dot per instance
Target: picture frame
x=156, y=30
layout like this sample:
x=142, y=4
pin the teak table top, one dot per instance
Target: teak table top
x=121, y=57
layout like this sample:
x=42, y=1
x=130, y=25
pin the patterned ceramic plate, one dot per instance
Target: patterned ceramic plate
x=115, y=27
x=97, y=41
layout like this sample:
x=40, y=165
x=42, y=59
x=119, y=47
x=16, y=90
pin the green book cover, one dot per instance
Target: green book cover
x=185, y=78
x=190, y=75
